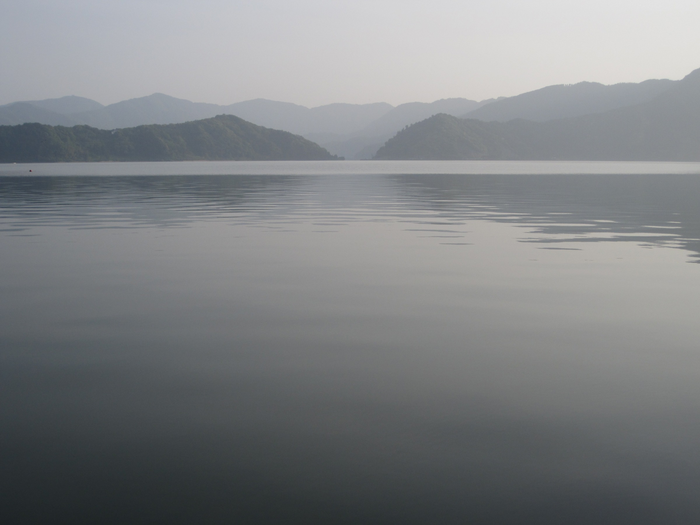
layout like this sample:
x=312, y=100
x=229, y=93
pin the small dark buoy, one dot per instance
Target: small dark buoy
x=30, y=171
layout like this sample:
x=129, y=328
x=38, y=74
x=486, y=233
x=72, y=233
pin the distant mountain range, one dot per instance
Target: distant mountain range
x=358, y=131
x=364, y=143
x=347, y=130
x=573, y=100
x=225, y=137
x=663, y=127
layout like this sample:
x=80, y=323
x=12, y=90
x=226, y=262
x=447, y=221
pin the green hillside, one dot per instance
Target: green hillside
x=224, y=137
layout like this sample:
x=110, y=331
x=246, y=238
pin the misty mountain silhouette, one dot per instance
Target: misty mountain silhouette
x=665, y=128
x=358, y=131
x=22, y=112
x=67, y=105
x=328, y=119
x=363, y=144
x=153, y=109
x=563, y=101
x=164, y=109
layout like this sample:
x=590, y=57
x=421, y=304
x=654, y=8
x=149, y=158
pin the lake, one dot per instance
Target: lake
x=350, y=342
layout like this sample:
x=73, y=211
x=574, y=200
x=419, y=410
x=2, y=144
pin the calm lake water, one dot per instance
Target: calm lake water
x=350, y=342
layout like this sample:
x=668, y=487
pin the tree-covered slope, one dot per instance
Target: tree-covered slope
x=224, y=137
x=444, y=137
x=666, y=128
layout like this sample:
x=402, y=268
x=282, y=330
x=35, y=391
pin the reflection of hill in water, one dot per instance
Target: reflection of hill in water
x=112, y=202
x=658, y=210
x=646, y=209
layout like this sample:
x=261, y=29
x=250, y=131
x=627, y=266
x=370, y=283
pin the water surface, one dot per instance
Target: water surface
x=350, y=343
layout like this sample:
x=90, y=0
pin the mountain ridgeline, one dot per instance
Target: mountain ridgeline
x=224, y=137
x=663, y=128
x=650, y=120
x=349, y=130
x=572, y=100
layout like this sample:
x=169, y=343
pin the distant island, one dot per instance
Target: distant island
x=224, y=137
x=663, y=128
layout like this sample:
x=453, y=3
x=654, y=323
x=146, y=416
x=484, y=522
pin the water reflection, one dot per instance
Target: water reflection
x=353, y=349
x=652, y=209
x=655, y=210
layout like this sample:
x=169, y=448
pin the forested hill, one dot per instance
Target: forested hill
x=666, y=128
x=224, y=137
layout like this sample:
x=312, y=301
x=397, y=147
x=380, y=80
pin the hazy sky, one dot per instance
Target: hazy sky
x=314, y=52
